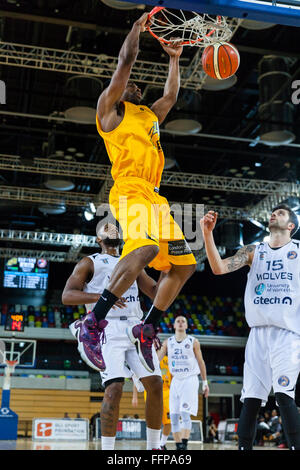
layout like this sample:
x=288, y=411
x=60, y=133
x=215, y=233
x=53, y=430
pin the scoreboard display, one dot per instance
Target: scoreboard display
x=14, y=322
x=26, y=273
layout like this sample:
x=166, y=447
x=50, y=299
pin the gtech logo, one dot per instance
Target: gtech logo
x=259, y=289
x=272, y=300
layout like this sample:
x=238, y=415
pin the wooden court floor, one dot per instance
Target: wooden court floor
x=29, y=444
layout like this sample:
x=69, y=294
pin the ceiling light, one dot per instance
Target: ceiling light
x=256, y=25
x=52, y=208
x=88, y=215
x=257, y=164
x=79, y=155
x=59, y=185
x=233, y=170
x=188, y=126
x=121, y=5
x=214, y=84
x=245, y=168
x=92, y=207
x=71, y=150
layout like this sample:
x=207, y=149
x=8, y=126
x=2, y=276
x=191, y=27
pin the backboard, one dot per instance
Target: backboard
x=285, y=12
x=21, y=350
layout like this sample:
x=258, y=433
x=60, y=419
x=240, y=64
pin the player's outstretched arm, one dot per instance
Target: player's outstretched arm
x=127, y=57
x=162, y=106
x=163, y=351
x=243, y=256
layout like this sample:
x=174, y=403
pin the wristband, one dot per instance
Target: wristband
x=204, y=384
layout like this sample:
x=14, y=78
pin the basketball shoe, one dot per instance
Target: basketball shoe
x=90, y=336
x=143, y=337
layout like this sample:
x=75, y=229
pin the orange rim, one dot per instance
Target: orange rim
x=166, y=41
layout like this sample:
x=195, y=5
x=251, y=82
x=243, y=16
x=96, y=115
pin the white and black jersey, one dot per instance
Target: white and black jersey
x=181, y=357
x=104, y=265
x=272, y=296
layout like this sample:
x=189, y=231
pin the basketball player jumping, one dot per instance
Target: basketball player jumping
x=152, y=237
x=90, y=276
x=272, y=305
x=185, y=364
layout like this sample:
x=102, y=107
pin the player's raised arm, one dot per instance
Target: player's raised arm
x=127, y=57
x=243, y=256
x=163, y=105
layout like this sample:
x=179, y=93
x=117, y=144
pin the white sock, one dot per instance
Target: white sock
x=153, y=438
x=163, y=439
x=108, y=443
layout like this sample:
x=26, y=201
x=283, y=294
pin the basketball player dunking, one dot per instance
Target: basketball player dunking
x=185, y=364
x=89, y=278
x=131, y=135
x=272, y=305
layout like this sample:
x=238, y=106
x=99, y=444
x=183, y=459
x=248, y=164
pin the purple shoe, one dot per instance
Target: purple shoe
x=90, y=336
x=143, y=337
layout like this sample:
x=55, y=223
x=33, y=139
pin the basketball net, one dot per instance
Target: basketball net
x=189, y=28
x=9, y=370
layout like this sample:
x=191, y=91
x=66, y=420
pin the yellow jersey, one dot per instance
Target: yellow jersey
x=134, y=146
x=165, y=373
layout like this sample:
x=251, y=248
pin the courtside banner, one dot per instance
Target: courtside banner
x=47, y=429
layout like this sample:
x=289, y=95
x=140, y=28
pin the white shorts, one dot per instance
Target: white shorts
x=119, y=350
x=184, y=395
x=271, y=360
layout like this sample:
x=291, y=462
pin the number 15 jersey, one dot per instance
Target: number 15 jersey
x=272, y=296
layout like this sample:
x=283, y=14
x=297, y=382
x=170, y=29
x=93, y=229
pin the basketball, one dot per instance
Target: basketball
x=220, y=60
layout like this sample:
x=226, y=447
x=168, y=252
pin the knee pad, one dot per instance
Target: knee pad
x=175, y=424
x=186, y=421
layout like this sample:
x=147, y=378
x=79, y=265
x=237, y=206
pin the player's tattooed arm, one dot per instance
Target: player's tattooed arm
x=243, y=257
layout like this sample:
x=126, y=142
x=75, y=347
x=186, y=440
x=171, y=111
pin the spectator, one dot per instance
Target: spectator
x=93, y=424
x=281, y=440
x=263, y=429
x=66, y=416
x=212, y=432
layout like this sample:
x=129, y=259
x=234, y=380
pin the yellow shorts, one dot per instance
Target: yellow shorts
x=145, y=219
x=166, y=407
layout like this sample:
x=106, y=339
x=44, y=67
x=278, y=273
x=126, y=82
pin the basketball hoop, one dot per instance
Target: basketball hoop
x=190, y=28
x=11, y=364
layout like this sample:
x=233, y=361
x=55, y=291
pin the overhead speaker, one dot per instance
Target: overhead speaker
x=231, y=235
x=81, y=94
x=276, y=112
